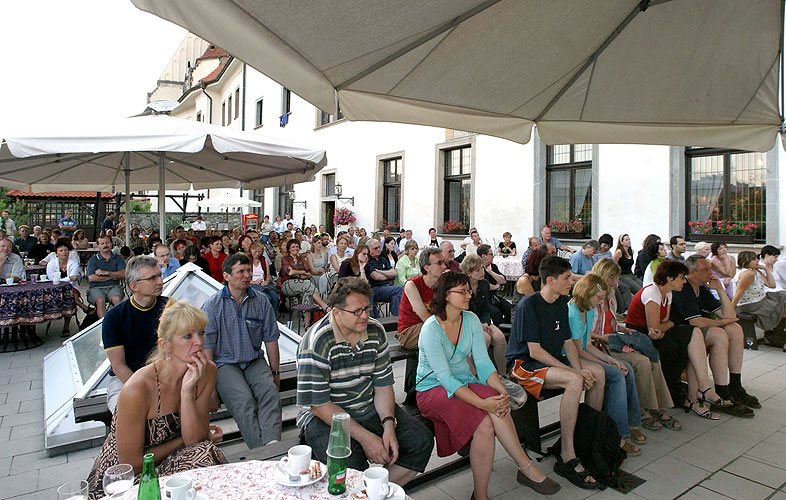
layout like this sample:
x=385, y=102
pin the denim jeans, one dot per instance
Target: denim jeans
x=620, y=399
x=388, y=293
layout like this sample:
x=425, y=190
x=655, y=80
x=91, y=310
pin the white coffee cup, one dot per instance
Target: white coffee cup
x=9, y=281
x=56, y=278
x=298, y=459
x=377, y=485
x=179, y=488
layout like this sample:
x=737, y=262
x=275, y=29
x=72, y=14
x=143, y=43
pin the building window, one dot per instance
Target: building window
x=458, y=172
x=258, y=119
x=569, y=184
x=326, y=118
x=199, y=116
x=229, y=110
x=223, y=114
x=726, y=186
x=328, y=185
x=284, y=203
x=391, y=191
x=258, y=195
x=286, y=101
x=237, y=102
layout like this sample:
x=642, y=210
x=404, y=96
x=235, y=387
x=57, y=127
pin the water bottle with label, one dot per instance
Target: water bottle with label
x=338, y=452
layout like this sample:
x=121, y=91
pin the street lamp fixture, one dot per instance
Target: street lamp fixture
x=291, y=195
x=338, y=190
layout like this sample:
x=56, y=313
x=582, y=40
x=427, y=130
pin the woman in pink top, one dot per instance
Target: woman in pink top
x=723, y=266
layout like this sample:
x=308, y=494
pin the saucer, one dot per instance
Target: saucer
x=283, y=479
x=397, y=493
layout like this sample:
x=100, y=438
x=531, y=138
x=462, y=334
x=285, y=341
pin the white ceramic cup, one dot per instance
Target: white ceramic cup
x=377, y=485
x=179, y=488
x=298, y=459
x=56, y=278
x=9, y=281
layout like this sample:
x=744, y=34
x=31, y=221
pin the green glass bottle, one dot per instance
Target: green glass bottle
x=148, y=482
x=338, y=452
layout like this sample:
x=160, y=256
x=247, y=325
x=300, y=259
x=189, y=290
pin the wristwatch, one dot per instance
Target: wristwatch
x=395, y=422
x=275, y=372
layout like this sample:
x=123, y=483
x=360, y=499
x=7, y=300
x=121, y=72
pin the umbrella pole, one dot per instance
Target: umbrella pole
x=128, y=197
x=161, y=198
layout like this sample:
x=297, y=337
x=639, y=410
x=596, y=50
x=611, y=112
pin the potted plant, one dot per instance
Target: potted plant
x=454, y=227
x=725, y=231
x=342, y=217
x=571, y=229
x=393, y=227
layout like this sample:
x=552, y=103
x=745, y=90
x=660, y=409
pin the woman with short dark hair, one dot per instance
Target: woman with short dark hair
x=752, y=297
x=215, y=258
x=723, y=266
x=467, y=409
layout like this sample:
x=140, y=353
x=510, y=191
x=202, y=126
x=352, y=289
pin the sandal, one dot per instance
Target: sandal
x=666, y=420
x=636, y=436
x=696, y=408
x=569, y=472
x=651, y=422
x=718, y=403
x=631, y=449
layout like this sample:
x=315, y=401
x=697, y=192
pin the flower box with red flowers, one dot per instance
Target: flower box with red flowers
x=454, y=227
x=723, y=231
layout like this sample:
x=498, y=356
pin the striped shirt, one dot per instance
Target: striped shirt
x=330, y=370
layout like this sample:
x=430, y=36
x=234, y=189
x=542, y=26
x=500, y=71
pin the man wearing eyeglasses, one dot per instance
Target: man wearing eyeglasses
x=416, y=301
x=129, y=328
x=449, y=255
x=344, y=366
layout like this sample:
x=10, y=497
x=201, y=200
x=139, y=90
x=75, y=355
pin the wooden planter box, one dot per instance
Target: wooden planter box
x=568, y=235
x=722, y=238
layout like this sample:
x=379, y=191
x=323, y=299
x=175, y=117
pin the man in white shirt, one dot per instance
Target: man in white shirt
x=8, y=224
x=198, y=224
x=287, y=220
x=779, y=273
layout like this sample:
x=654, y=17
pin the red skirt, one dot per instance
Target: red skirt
x=454, y=420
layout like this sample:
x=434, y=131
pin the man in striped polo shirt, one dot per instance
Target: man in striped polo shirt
x=344, y=366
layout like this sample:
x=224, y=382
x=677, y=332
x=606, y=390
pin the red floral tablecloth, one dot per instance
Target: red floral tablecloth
x=253, y=480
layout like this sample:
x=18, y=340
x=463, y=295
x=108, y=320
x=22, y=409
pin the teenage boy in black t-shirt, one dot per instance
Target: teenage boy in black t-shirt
x=534, y=358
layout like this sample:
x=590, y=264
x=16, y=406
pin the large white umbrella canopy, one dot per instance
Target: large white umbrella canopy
x=682, y=72
x=153, y=152
x=228, y=201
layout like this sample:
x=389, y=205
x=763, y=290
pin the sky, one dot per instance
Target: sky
x=70, y=62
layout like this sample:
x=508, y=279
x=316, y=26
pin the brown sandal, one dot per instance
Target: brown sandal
x=637, y=437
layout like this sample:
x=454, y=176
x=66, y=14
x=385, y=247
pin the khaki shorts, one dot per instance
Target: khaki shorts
x=105, y=292
x=408, y=337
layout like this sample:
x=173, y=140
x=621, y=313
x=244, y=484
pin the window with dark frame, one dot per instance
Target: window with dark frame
x=286, y=101
x=229, y=110
x=326, y=118
x=284, y=203
x=223, y=114
x=457, y=182
x=237, y=102
x=569, y=184
x=328, y=185
x=199, y=116
x=391, y=190
x=259, y=107
x=725, y=185
x=258, y=195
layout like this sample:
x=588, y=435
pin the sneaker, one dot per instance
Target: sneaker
x=743, y=398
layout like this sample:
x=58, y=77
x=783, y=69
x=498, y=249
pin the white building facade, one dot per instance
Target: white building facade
x=421, y=177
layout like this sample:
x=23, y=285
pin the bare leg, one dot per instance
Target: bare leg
x=481, y=456
x=497, y=339
x=100, y=306
x=718, y=343
x=509, y=439
x=400, y=475
x=594, y=396
x=697, y=355
x=692, y=383
x=736, y=346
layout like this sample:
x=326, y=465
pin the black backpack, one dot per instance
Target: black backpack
x=597, y=444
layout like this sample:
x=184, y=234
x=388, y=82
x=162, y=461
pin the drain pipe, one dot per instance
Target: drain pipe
x=243, y=101
x=210, y=99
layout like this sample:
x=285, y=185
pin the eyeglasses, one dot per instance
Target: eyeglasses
x=462, y=292
x=439, y=263
x=358, y=312
x=151, y=278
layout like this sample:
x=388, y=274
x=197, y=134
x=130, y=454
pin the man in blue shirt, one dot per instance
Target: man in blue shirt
x=67, y=224
x=545, y=237
x=104, y=272
x=380, y=276
x=240, y=319
x=168, y=264
x=581, y=262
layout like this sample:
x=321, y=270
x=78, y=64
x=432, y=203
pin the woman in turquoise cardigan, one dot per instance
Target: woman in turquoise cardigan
x=466, y=408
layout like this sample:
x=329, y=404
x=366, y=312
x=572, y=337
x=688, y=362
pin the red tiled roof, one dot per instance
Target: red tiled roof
x=15, y=193
x=213, y=51
x=210, y=78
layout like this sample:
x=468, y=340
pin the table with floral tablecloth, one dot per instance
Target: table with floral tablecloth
x=253, y=480
x=23, y=305
x=510, y=267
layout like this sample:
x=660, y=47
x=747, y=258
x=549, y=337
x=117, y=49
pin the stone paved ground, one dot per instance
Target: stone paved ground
x=733, y=458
